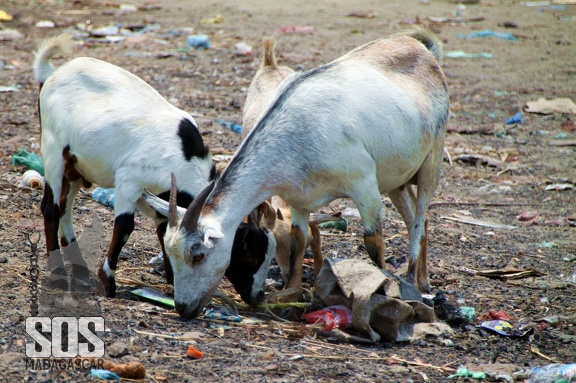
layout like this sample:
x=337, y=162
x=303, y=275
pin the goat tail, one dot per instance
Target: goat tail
x=48, y=49
x=430, y=40
x=269, y=57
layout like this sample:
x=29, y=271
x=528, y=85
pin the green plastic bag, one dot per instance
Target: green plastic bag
x=28, y=159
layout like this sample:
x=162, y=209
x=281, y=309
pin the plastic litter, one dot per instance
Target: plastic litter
x=495, y=315
x=339, y=225
x=230, y=126
x=157, y=260
x=218, y=19
x=468, y=312
x=29, y=159
x=297, y=29
x=242, y=49
x=332, y=317
x=447, y=311
x=104, y=374
x=153, y=295
x=45, y=24
x=222, y=315
x=559, y=186
x=464, y=55
x=554, y=373
x=5, y=16
x=198, y=41
x=12, y=88
x=504, y=328
x=104, y=196
x=32, y=179
x=515, y=119
x=489, y=33
x=466, y=373
x=194, y=353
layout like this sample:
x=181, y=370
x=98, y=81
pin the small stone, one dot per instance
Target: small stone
x=10, y=357
x=3, y=260
x=271, y=367
x=118, y=349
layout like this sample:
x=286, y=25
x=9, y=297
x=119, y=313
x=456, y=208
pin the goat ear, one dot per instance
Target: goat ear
x=266, y=210
x=160, y=205
x=210, y=233
x=279, y=215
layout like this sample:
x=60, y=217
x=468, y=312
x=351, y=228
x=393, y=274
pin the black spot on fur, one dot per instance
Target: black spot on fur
x=192, y=142
x=248, y=255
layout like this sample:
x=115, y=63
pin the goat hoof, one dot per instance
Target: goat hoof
x=109, y=284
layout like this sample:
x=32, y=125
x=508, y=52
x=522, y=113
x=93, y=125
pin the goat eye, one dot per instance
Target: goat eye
x=197, y=258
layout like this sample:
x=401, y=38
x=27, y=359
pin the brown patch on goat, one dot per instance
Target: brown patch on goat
x=70, y=171
x=375, y=248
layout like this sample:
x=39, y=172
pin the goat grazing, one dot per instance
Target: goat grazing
x=101, y=124
x=261, y=92
x=371, y=122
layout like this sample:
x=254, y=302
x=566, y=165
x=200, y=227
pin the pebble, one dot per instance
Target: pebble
x=117, y=349
x=3, y=260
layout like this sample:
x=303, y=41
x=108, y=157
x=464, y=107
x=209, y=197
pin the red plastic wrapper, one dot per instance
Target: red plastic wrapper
x=495, y=315
x=332, y=317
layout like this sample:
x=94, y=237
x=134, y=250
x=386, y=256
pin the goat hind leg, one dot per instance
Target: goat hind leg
x=57, y=277
x=427, y=180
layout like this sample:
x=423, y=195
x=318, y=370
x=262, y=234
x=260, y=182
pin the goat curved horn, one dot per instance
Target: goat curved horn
x=172, y=206
x=190, y=219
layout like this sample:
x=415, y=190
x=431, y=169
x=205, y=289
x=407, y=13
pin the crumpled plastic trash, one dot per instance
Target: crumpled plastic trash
x=464, y=55
x=104, y=374
x=489, y=33
x=29, y=159
x=4, y=16
x=466, y=373
x=230, y=126
x=198, y=41
x=515, y=119
x=383, y=305
x=332, y=317
x=104, y=196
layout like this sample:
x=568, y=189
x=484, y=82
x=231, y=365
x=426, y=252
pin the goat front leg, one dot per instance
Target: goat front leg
x=123, y=227
x=70, y=249
x=298, y=239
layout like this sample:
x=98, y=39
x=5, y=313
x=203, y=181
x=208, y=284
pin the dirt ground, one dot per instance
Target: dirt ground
x=493, y=172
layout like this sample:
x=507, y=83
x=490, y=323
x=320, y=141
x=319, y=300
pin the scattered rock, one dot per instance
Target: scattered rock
x=118, y=349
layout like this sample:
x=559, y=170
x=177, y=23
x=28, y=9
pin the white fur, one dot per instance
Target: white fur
x=122, y=133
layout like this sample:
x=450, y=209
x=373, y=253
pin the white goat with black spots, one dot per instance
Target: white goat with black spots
x=101, y=124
